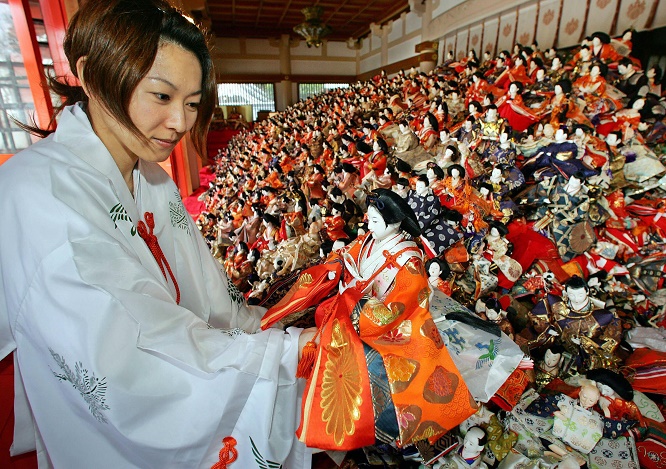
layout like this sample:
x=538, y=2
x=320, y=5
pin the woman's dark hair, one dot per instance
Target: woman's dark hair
x=119, y=40
x=394, y=209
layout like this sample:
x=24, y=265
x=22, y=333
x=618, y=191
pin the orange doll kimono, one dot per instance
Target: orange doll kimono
x=335, y=227
x=382, y=371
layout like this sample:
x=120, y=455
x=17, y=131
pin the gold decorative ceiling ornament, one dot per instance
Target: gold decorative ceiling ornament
x=312, y=29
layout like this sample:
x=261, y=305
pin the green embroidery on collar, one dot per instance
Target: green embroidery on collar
x=178, y=214
x=118, y=212
x=91, y=388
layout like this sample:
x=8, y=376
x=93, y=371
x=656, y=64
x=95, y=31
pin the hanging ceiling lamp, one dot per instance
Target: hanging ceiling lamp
x=312, y=29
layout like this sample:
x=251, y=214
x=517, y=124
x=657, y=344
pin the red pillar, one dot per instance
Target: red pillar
x=55, y=22
x=32, y=59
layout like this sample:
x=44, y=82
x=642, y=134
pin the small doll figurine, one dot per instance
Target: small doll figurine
x=617, y=394
x=549, y=368
x=489, y=308
x=438, y=276
x=469, y=454
x=335, y=224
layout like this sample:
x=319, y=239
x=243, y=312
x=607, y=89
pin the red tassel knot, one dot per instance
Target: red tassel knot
x=227, y=454
x=148, y=235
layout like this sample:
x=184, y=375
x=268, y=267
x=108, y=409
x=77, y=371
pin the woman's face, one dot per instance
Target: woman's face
x=378, y=226
x=434, y=270
x=164, y=106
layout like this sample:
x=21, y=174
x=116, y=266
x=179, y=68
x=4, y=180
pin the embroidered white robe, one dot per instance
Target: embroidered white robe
x=110, y=371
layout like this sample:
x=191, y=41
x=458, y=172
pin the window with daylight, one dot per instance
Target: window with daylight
x=261, y=96
x=308, y=90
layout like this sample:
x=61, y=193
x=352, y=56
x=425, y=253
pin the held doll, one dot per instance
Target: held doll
x=376, y=331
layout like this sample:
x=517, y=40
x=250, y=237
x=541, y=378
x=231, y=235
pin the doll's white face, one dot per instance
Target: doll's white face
x=375, y=145
x=611, y=139
x=588, y=396
x=434, y=270
x=471, y=109
x=484, y=192
x=595, y=72
x=426, y=123
x=455, y=173
x=493, y=232
x=560, y=135
x=540, y=74
x=492, y=314
x=596, y=42
x=556, y=63
x=627, y=36
x=513, y=89
x=638, y=104
x=585, y=54
x=468, y=125
x=376, y=224
x=495, y=175
x=504, y=137
x=443, y=135
x=579, y=132
x=491, y=115
x=551, y=359
x=421, y=188
x=651, y=73
x=577, y=295
x=447, y=155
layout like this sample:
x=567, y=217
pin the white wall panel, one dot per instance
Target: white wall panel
x=404, y=50
x=323, y=67
x=571, y=24
x=461, y=44
x=634, y=14
x=490, y=37
x=371, y=63
x=475, y=38
x=601, y=16
x=549, y=11
x=339, y=49
x=233, y=66
x=507, y=29
x=527, y=18
x=396, y=30
x=261, y=46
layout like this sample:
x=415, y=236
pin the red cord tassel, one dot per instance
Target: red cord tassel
x=307, y=361
x=228, y=453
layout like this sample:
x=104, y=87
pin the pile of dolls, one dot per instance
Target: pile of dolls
x=538, y=182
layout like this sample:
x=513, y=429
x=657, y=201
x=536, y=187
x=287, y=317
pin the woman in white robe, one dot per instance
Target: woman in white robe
x=127, y=358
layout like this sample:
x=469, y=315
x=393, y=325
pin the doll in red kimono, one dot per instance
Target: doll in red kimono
x=375, y=333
